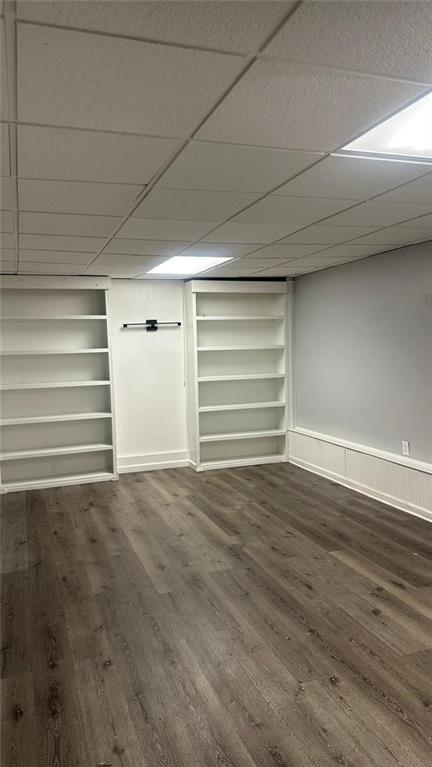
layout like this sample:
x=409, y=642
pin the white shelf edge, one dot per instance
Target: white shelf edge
x=243, y=435
x=239, y=318
x=21, y=455
x=55, y=418
x=49, y=352
x=61, y=481
x=52, y=385
x=239, y=348
x=56, y=318
x=238, y=463
x=241, y=377
x=241, y=406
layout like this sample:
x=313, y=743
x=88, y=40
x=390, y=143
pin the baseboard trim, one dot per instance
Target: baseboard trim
x=152, y=461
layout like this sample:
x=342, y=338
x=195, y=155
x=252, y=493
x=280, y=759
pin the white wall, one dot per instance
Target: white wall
x=363, y=351
x=148, y=375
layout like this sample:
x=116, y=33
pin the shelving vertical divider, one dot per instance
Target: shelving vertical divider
x=238, y=389
x=57, y=415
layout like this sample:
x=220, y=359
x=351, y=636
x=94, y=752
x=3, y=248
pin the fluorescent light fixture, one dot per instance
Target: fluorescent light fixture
x=187, y=264
x=406, y=134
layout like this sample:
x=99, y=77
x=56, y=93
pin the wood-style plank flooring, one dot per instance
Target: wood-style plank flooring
x=236, y=618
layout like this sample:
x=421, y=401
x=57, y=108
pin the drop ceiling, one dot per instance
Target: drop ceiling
x=134, y=131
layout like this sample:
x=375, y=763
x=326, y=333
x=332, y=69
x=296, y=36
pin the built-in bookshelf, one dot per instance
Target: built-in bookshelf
x=236, y=372
x=56, y=417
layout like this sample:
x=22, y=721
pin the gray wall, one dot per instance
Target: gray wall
x=363, y=351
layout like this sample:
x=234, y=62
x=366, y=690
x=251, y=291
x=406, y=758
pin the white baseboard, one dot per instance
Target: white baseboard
x=151, y=461
x=385, y=479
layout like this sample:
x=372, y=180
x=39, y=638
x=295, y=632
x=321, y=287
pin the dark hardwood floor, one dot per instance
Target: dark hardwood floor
x=242, y=618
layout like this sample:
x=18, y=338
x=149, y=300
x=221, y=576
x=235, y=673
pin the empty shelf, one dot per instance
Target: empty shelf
x=45, y=352
x=241, y=377
x=57, y=318
x=243, y=435
x=52, y=385
x=238, y=348
x=18, y=455
x=240, y=317
x=240, y=406
x=67, y=479
x=54, y=418
x=253, y=461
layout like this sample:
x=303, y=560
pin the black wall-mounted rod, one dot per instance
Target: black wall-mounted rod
x=150, y=325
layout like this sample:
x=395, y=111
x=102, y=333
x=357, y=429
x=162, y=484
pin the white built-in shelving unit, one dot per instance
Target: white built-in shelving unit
x=56, y=417
x=236, y=363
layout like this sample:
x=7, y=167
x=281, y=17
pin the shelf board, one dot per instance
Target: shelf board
x=238, y=348
x=239, y=317
x=56, y=318
x=241, y=377
x=67, y=479
x=54, y=418
x=17, y=455
x=238, y=462
x=243, y=435
x=52, y=385
x=240, y=406
x=47, y=352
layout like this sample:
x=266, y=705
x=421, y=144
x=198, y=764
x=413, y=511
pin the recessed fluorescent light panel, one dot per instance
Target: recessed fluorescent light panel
x=407, y=134
x=187, y=264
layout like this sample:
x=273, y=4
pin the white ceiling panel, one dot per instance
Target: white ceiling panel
x=419, y=191
x=6, y=221
x=54, y=268
x=81, y=155
x=231, y=168
x=164, y=229
x=236, y=231
x=288, y=105
x=7, y=240
x=7, y=267
x=348, y=251
x=4, y=150
x=262, y=263
x=378, y=214
x=123, y=266
x=4, y=106
x=55, y=256
x=327, y=235
x=396, y=235
x=144, y=247
x=292, y=211
x=226, y=271
x=287, y=251
x=224, y=250
x=74, y=79
x=7, y=254
x=193, y=205
x=368, y=36
x=56, y=242
x=419, y=223
x=232, y=26
x=6, y=198
x=68, y=224
x=76, y=197
x=354, y=178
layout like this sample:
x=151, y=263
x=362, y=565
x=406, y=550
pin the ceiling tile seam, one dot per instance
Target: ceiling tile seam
x=83, y=181
x=276, y=58
x=111, y=131
x=65, y=213
x=248, y=61
x=11, y=73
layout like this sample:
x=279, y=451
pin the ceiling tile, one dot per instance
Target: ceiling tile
x=262, y=263
x=286, y=251
x=56, y=242
x=396, y=235
x=7, y=254
x=164, y=229
x=7, y=240
x=7, y=267
x=419, y=191
x=76, y=197
x=193, y=205
x=327, y=235
x=226, y=271
x=351, y=250
x=54, y=268
x=233, y=26
x=144, y=247
x=419, y=223
x=69, y=224
x=81, y=155
x=55, y=256
x=366, y=36
x=236, y=231
x=4, y=106
x=6, y=221
x=353, y=178
x=232, y=168
x=225, y=250
x=123, y=266
x=289, y=105
x=292, y=211
x=6, y=198
x=378, y=214
x=116, y=84
x=4, y=150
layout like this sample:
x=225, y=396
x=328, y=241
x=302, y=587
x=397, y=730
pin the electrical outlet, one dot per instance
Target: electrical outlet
x=405, y=447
